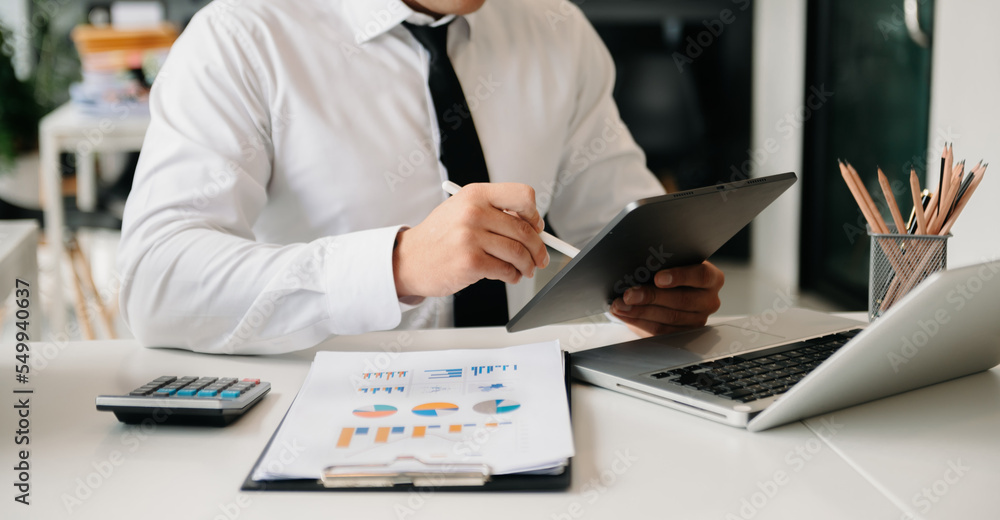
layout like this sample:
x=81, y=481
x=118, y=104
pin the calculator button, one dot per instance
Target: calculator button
x=164, y=379
x=254, y=381
x=166, y=391
x=187, y=392
x=230, y=394
x=207, y=393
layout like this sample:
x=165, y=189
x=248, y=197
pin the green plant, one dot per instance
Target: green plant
x=19, y=112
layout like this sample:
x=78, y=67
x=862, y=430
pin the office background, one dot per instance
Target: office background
x=713, y=91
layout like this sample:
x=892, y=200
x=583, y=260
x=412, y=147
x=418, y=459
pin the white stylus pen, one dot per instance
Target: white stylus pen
x=548, y=239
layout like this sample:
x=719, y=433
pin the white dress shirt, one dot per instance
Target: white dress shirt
x=290, y=142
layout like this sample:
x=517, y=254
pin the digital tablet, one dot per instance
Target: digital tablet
x=672, y=230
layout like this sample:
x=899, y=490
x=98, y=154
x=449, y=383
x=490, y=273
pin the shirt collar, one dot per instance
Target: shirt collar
x=370, y=20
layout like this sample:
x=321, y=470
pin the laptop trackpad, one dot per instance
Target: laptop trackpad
x=676, y=349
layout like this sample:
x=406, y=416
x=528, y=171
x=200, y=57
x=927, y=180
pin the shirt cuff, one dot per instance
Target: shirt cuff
x=360, y=285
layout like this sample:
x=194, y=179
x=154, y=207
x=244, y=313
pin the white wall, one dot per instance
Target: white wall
x=965, y=108
x=779, y=47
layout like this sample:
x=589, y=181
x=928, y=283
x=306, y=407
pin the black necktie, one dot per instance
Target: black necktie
x=483, y=303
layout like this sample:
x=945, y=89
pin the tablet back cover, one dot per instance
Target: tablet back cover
x=676, y=229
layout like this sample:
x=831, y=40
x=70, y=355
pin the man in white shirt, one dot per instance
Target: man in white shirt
x=289, y=188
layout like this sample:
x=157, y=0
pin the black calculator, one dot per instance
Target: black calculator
x=191, y=400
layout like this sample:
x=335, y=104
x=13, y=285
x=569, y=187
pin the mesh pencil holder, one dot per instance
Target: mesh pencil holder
x=899, y=263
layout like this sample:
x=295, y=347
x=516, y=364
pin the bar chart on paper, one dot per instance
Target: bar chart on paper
x=354, y=437
x=489, y=369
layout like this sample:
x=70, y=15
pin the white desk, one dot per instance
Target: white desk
x=654, y=462
x=19, y=261
x=69, y=129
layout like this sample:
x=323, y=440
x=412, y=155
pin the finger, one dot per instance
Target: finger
x=515, y=197
x=652, y=327
x=679, y=298
x=517, y=229
x=703, y=275
x=659, y=314
x=510, y=251
x=488, y=266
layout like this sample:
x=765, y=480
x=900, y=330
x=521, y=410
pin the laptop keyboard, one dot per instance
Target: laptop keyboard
x=756, y=375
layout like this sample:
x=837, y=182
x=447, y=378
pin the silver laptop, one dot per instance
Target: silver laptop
x=787, y=364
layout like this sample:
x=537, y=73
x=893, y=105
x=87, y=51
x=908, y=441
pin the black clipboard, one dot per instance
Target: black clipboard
x=509, y=482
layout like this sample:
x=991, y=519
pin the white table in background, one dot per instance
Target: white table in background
x=634, y=459
x=19, y=261
x=69, y=129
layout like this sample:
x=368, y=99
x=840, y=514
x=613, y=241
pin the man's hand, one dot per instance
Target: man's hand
x=470, y=237
x=681, y=299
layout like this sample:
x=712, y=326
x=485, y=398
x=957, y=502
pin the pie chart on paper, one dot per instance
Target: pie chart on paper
x=375, y=411
x=496, y=406
x=435, y=409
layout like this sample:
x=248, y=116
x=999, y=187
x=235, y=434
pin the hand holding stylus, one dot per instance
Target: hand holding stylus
x=547, y=238
x=487, y=230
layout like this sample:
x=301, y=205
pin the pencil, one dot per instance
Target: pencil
x=962, y=188
x=941, y=176
x=881, y=227
x=949, y=168
x=952, y=182
x=976, y=181
x=915, y=190
x=926, y=204
x=856, y=192
x=890, y=200
x=931, y=208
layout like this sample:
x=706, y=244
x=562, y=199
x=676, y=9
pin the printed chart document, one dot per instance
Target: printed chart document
x=426, y=412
